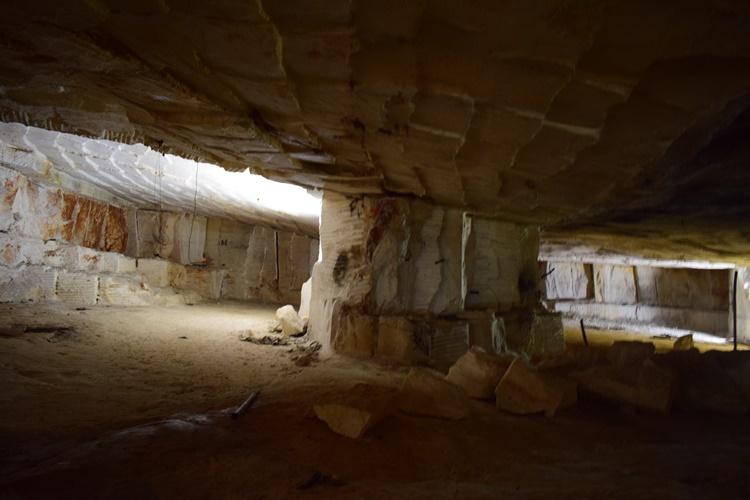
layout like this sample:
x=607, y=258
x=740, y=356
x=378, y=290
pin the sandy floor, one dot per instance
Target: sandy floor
x=127, y=408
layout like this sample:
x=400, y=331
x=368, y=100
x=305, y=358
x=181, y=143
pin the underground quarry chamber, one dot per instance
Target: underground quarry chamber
x=355, y=249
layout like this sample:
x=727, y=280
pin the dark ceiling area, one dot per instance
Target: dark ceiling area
x=621, y=118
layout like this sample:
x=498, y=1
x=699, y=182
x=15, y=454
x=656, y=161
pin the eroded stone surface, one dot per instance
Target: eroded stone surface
x=606, y=112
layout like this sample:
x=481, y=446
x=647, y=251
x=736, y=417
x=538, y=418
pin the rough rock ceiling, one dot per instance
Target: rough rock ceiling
x=566, y=113
x=139, y=177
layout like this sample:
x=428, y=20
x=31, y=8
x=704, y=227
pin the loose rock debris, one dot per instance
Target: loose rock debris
x=628, y=373
x=303, y=351
x=290, y=322
x=351, y=414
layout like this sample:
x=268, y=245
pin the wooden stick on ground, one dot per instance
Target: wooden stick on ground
x=241, y=409
x=583, y=332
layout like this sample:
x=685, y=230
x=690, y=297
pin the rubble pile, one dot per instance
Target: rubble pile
x=629, y=374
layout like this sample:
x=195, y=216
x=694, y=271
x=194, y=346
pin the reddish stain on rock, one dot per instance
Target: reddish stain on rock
x=11, y=187
x=9, y=254
x=50, y=227
x=94, y=236
x=80, y=225
x=68, y=212
x=115, y=230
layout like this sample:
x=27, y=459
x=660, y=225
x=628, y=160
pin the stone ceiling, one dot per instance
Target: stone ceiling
x=135, y=176
x=579, y=115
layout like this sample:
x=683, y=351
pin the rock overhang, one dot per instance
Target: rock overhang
x=594, y=118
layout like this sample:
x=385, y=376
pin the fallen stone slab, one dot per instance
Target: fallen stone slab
x=356, y=411
x=683, y=343
x=628, y=353
x=645, y=386
x=478, y=372
x=524, y=391
x=425, y=392
x=709, y=382
x=289, y=320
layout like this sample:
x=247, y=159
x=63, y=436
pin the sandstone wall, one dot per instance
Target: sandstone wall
x=56, y=246
x=692, y=299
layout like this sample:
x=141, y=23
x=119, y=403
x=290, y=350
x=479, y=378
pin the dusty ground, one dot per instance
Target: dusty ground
x=127, y=408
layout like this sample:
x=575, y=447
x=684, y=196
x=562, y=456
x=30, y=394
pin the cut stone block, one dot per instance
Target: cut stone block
x=396, y=339
x=154, y=271
x=524, y=391
x=115, y=263
x=357, y=411
x=614, y=284
x=32, y=283
x=426, y=393
x=688, y=288
x=289, y=320
x=569, y=280
x=78, y=258
x=478, y=372
x=497, y=255
x=450, y=340
x=33, y=252
x=122, y=291
x=644, y=386
x=355, y=334
x=77, y=289
x=535, y=334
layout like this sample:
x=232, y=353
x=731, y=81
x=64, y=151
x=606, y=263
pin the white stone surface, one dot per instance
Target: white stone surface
x=77, y=289
x=155, y=272
x=140, y=177
x=304, y=303
x=496, y=254
x=611, y=315
x=29, y=283
x=289, y=320
x=341, y=275
x=614, y=284
x=123, y=291
x=568, y=280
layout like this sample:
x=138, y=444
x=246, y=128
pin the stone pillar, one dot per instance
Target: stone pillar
x=445, y=273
